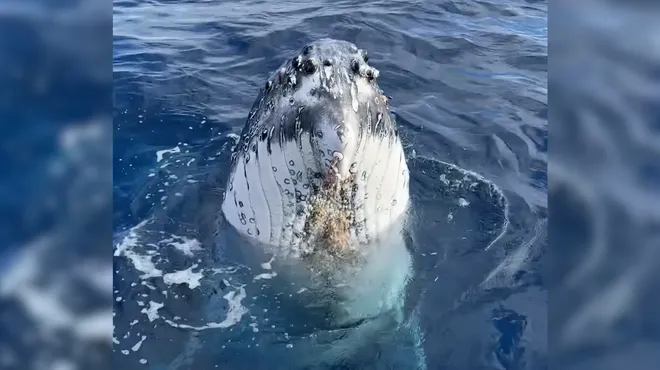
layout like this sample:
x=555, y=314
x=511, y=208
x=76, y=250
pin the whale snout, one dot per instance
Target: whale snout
x=345, y=104
x=336, y=140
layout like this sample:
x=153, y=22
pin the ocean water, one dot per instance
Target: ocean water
x=56, y=273
x=468, y=82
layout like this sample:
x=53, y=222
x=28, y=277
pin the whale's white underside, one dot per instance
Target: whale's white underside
x=267, y=184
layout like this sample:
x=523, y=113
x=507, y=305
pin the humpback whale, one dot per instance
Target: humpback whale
x=319, y=163
x=319, y=186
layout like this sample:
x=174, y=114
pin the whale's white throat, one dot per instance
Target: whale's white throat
x=320, y=156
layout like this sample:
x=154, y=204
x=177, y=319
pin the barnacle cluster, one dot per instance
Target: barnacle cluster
x=330, y=215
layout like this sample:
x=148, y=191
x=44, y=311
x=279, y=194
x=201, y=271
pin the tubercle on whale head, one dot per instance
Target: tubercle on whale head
x=328, y=90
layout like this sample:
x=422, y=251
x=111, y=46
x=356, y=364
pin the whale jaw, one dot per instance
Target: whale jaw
x=319, y=163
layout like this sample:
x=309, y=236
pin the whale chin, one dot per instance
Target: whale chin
x=319, y=166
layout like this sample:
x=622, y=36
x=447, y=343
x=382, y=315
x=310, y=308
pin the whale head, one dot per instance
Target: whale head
x=319, y=150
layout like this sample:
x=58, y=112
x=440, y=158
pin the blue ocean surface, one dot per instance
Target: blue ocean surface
x=468, y=82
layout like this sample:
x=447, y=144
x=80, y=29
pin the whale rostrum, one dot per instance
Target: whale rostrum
x=319, y=165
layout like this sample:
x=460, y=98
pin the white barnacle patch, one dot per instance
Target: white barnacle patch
x=303, y=92
x=333, y=81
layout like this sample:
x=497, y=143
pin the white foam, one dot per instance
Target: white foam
x=184, y=277
x=267, y=265
x=186, y=245
x=152, y=310
x=234, y=313
x=503, y=274
x=137, y=345
x=470, y=176
x=142, y=254
x=265, y=275
x=161, y=153
x=142, y=263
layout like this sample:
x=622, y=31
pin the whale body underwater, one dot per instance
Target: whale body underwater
x=319, y=187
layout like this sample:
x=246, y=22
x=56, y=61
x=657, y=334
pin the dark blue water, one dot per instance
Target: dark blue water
x=56, y=150
x=468, y=81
